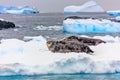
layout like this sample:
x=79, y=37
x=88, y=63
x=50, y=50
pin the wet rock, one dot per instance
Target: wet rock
x=6, y=25
x=76, y=17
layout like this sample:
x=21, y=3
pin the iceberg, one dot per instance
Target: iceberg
x=114, y=13
x=18, y=10
x=90, y=25
x=90, y=6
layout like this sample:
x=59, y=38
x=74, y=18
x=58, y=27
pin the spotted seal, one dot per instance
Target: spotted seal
x=84, y=40
x=68, y=46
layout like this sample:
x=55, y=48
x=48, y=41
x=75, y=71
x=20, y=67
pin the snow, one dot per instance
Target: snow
x=90, y=25
x=18, y=10
x=18, y=57
x=90, y=6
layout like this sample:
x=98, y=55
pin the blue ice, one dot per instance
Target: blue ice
x=18, y=10
x=75, y=26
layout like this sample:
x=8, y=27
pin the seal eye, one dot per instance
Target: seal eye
x=49, y=43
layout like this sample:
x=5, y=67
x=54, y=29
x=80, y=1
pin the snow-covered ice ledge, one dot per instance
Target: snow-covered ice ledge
x=90, y=25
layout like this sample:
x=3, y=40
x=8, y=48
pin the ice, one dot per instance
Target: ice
x=90, y=25
x=41, y=27
x=32, y=57
x=18, y=10
x=90, y=6
x=118, y=18
x=114, y=13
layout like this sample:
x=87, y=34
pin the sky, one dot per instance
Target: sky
x=58, y=5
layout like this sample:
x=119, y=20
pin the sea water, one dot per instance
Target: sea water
x=25, y=56
x=64, y=77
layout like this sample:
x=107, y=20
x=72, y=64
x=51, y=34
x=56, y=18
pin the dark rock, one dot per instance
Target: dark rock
x=6, y=25
x=76, y=17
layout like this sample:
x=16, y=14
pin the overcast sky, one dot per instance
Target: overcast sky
x=58, y=5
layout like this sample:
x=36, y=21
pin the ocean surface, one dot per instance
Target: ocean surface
x=65, y=77
x=23, y=58
x=28, y=23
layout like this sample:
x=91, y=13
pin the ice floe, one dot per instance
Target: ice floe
x=18, y=57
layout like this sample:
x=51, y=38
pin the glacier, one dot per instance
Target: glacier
x=31, y=57
x=18, y=10
x=90, y=6
x=90, y=25
x=114, y=13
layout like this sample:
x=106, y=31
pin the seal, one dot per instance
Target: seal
x=68, y=46
x=84, y=40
